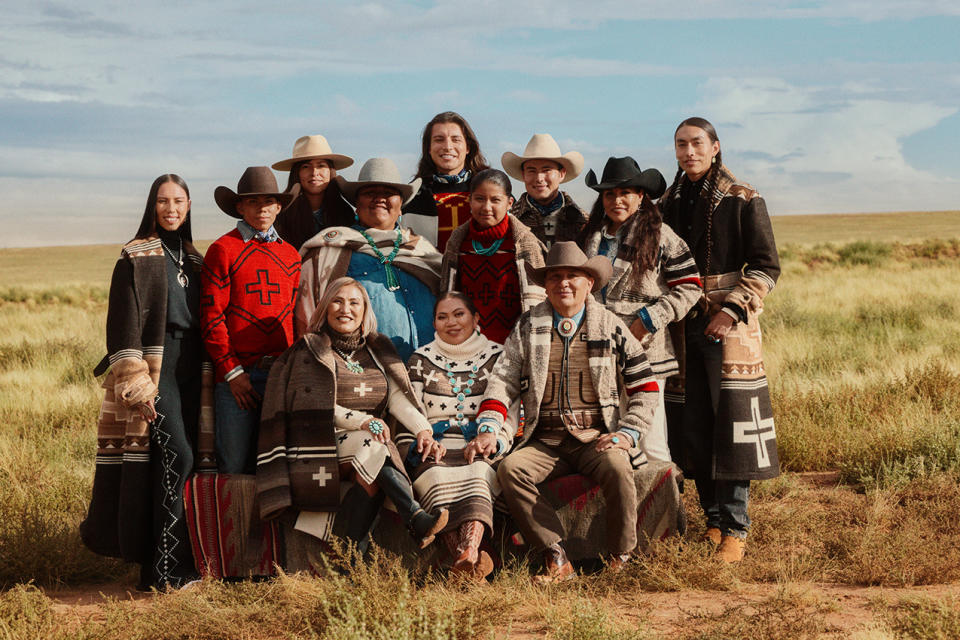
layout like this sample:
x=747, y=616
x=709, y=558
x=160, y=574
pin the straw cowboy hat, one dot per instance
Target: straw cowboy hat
x=569, y=255
x=378, y=171
x=313, y=147
x=255, y=181
x=625, y=172
x=542, y=146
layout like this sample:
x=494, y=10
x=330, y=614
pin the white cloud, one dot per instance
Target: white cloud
x=824, y=149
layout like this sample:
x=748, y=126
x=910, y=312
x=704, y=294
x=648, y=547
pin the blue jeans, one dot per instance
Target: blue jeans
x=725, y=504
x=237, y=429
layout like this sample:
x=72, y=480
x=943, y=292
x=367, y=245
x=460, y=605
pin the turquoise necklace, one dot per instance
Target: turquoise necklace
x=479, y=249
x=387, y=261
x=461, y=392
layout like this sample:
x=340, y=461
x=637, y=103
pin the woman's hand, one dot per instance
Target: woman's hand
x=384, y=436
x=638, y=329
x=614, y=440
x=720, y=325
x=484, y=445
x=147, y=410
x=243, y=392
x=427, y=446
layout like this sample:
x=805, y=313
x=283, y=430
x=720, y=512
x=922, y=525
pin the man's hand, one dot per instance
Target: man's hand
x=244, y=393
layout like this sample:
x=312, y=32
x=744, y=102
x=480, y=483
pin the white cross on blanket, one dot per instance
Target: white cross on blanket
x=757, y=431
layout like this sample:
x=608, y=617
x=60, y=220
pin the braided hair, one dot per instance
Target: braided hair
x=709, y=183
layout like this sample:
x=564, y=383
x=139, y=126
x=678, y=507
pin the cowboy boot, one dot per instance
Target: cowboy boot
x=731, y=549
x=556, y=566
x=422, y=525
x=713, y=536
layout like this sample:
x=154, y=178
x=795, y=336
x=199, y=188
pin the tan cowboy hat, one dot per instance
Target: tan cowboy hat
x=542, y=146
x=378, y=171
x=255, y=181
x=310, y=147
x=570, y=256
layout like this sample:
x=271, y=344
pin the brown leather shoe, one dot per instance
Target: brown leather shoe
x=713, y=536
x=731, y=549
x=617, y=562
x=556, y=566
x=477, y=570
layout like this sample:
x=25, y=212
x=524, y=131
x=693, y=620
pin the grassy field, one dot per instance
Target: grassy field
x=857, y=538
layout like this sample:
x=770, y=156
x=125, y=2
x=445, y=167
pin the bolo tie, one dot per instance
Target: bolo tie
x=566, y=328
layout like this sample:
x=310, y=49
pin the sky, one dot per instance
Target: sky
x=831, y=106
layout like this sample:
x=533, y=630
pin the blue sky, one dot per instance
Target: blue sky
x=841, y=106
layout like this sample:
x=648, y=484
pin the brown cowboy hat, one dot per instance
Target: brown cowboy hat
x=570, y=256
x=310, y=148
x=255, y=181
x=542, y=146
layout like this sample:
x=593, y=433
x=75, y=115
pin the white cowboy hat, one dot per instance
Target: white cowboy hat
x=310, y=147
x=542, y=146
x=378, y=171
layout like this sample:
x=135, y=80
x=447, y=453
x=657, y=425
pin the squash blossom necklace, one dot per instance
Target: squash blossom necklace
x=387, y=261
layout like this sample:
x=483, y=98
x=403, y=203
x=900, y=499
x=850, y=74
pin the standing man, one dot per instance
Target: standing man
x=551, y=214
x=571, y=360
x=249, y=283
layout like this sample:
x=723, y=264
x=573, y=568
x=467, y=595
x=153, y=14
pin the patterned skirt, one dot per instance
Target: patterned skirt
x=466, y=490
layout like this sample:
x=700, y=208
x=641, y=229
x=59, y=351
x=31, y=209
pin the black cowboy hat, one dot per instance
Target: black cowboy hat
x=625, y=172
x=255, y=181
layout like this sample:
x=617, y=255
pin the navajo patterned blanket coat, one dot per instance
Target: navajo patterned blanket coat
x=326, y=257
x=299, y=449
x=119, y=520
x=667, y=292
x=618, y=366
x=739, y=265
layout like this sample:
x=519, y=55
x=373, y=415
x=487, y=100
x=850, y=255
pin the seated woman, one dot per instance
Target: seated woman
x=399, y=269
x=449, y=157
x=324, y=422
x=485, y=257
x=318, y=205
x=148, y=429
x=655, y=280
x=449, y=377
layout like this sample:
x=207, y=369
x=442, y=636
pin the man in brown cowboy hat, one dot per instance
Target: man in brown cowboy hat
x=551, y=214
x=249, y=284
x=571, y=360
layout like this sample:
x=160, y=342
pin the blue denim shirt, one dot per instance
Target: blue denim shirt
x=405, y=315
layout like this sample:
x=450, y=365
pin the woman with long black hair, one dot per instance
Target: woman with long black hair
x=718, y=410
x=149, y=420
x=654, y=281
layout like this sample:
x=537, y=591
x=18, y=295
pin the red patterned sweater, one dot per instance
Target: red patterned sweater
x=248, y=297
x=492, y=282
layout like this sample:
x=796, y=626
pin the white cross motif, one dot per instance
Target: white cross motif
x=322, y=476
x=431, y=377
x=418, y=367
x=362, y=389
x=757, y=431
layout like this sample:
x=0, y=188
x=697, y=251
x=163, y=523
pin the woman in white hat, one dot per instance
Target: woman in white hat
x=550, y=213
x=313, y=168
x=655, y=280
x=399, y=269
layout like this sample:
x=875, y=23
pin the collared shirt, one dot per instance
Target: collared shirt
x=577, y=317
x=248, y=233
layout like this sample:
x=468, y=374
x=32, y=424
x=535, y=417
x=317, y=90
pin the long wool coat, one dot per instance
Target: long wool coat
x=739, y=265
x=667, y=292
x=299, y=417
x=119, y=519
x=529, y=250
x=618, y=366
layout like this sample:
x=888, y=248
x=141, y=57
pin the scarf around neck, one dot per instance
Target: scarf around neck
x=550, y=207
x=463, y=176
x=495, y=232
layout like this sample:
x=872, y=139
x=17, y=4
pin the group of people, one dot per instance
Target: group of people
x=436, y=343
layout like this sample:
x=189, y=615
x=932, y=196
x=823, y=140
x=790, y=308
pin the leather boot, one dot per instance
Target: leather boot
x=731, y=549
x=713, y=536
x=422, y=525
x=556, y=566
